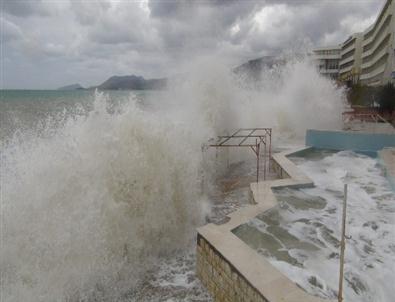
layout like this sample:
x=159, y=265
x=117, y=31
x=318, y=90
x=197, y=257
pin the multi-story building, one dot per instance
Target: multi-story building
x=378, y=48
x=368, y=57
x=327, y=59
x=350, y=62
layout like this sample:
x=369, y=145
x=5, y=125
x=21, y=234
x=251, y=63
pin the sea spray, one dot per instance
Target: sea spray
x=85, y=209
x=290, y=97
x=89, y=202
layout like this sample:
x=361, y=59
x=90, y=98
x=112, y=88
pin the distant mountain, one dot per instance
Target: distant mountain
x=132, y=82
x=253, y=68
x=71, y=87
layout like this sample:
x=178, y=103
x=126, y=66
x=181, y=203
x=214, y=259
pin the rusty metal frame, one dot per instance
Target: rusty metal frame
x=252, y=140
x=350, y=116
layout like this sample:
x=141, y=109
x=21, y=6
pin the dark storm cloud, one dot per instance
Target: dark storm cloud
x=24, y=8
x=95, y=39
x=199, y=25
x=168, y=8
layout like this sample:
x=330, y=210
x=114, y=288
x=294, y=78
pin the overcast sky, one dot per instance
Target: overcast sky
x=47, y=44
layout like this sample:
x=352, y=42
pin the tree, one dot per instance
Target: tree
x=386, y=98
x=361, y=95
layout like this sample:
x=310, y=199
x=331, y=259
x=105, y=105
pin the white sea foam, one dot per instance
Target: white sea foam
x=90, y=202
x=370, y=253
x=88, y=207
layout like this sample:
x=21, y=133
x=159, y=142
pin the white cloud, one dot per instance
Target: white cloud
x=89, y=12
x=9, y=31
x=356, y=24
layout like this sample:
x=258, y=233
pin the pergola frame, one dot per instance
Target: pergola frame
x=251, y=138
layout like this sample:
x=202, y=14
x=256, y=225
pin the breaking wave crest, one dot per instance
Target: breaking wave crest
x=88, y=204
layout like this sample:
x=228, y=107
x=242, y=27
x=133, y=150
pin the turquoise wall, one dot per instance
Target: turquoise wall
x=342, y=140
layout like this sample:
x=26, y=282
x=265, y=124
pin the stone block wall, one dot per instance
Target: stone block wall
x=221, y=279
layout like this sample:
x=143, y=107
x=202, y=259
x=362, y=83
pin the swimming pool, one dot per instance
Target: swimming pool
x=300, y=236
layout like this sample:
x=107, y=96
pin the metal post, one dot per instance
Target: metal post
x=264, y=162
x=202, y=171
x=227, y=158
x=342, y=246
x=257, y=159
x=270, y=147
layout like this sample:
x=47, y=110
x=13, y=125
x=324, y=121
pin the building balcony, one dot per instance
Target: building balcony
x=387, y=35
x=378, y=30
x=369, y=31
x=327, y=57
x=371, y=82
x=378, y=56
x=345, y=69
x=347, y=60
x=374, y=73
x=348, y=48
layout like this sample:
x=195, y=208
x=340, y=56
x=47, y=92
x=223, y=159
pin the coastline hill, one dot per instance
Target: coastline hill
x=71, y=87
x=253, y=68
x=132, y=82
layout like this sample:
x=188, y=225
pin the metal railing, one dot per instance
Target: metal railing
x=363, y=117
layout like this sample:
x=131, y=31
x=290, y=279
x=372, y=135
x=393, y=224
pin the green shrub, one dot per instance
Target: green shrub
x=361, y=95
x=386, y=98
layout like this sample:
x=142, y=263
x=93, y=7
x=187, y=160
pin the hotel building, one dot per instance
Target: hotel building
x=327, y=59
x=378, y=48
x=367, y=58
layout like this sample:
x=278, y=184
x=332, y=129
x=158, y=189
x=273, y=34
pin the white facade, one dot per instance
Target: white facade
x=350, y=62
x=367, y=57
x=378, y=48
x=327, y=59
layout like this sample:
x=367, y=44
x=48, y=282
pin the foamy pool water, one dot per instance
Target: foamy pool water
x=300, y=236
